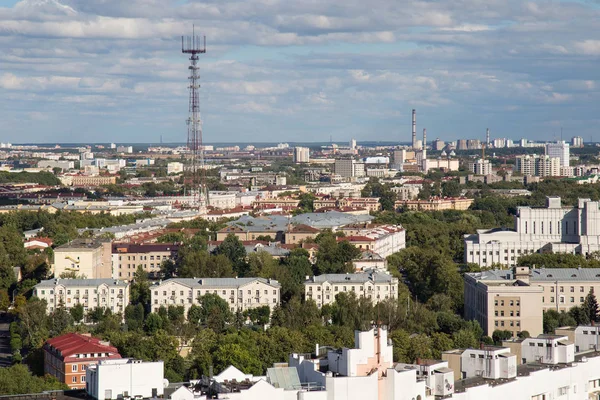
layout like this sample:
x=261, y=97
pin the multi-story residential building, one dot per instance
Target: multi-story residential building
x=553, y=229
x=515, y=300
x=407, y=191
x=368, y=203
x=502, y=300
x=85, y=258
x=301, y=155
x=481, y=167
x=222, y=200
x=90, y=293
x=374, y=285
x=92, y=181
x=240, y=293
x=285, y=203
x=560, y=150
x=577, y=141
x=384, y=240
x=535, y=165
x=298, y=233
x=126, y=257
x=114, y=379
x=444, y=164
x=349, y=168
x=369, y=260
x=67, y=357
x=436, y=204
x=489, y=362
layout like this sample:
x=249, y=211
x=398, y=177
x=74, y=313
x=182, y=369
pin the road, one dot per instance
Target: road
x=5, y=354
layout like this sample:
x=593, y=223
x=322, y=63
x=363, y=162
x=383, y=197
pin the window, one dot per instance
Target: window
x=74, y=368
x=581, y=289
x=572, y=289
x=563, y=390
x=572, y=299
x=74, y=379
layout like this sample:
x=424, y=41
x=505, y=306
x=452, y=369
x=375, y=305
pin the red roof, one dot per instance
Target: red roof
x=71, y=344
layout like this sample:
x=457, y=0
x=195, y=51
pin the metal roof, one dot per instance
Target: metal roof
x=541, y=274
x=218, y=282
x=369, y=276
x=80, y=282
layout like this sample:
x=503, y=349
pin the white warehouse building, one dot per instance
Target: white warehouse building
x=125, y=378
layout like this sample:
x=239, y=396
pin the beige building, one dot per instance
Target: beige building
x=298, y=233
x=240, y=293
x=84, y=180
x=87, y=258
x=375, y=285
x=91, y=293
x=436, y=204
x=126, y=257
x=514, y=301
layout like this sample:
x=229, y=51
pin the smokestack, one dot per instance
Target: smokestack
x=487, y=136
x=414, y=129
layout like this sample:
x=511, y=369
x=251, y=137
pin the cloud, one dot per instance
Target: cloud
x=297, y=69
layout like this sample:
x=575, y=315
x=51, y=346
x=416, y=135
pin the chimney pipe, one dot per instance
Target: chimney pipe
x=487, y=136
x=414, y=129
x=424, y=147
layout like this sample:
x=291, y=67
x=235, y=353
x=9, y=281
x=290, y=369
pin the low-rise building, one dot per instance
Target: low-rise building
x=383, y=240
x=489, y=362
x=85, y=258
x=369, y=260
x=240, y=293
x=68, y=357
x=125, y=378
x=222, y=200
x=127, y=257
x=92, y=181
x=585, y=337
x=90, y=293
x=374, y=285
x=436, y=204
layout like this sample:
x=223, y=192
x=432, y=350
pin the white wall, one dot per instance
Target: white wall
x=120, y=376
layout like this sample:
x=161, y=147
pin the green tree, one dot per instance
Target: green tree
x=499, y=335
x=18, y=380
x=234, y=250
x=590, y=305
x=77, y=312
x=140, y=287
x=238, y=355
x=134, y=316
x=215, y=312
x=153, y=323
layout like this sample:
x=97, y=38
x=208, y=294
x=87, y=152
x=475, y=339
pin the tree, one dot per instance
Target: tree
x=238, y=355
x=18, y=380
x=259, y=315
x=215, y=312
x=234, y=250
x=590, y=305
x=59, y=321
x=134, y=316
x=153, y=323
x=451, y=188
x=140, y=287
x=194, y=315
x=4, y=300
x=77, y=312
x=499, y=335
x=33, y=322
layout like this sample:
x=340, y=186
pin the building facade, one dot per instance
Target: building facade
x=301, y=155
x=560, y=150
x=127, y=257
x=85, y=258
x=553, y=229
x=240, y=293
x=535, y=165
x=68, y=357
x=114, y=379
x=374, y=285
x=481, y=167
x=90, y=293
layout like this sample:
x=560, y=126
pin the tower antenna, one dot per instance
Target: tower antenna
x=191, y=45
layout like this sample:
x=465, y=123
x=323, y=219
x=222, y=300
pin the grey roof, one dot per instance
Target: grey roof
x=274, y=249
x=542, y=274
x=369, y=276
x=199, y=283
x=332, y=219
x=80, y=282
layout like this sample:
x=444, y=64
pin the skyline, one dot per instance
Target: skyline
x=285, y=71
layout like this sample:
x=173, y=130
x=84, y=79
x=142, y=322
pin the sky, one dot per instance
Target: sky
x=91, y=71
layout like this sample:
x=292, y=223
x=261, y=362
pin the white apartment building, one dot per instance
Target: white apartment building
x=384, y=240
x=222, y=200
x=374, y=285
x=535, y=165
x=125, y=149
x=240, y=293
x=481, y=167
x=125, y=378
x=301, y=155
x=553, y=229
x=515, y=300
x=446, y=164
x=349, y=168
x=577, y=141
x=560, y=149
x=174, y=168
x=91, y=293
x=489, y=362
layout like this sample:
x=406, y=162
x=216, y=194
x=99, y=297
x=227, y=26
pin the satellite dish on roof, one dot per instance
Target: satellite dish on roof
x=165, y=383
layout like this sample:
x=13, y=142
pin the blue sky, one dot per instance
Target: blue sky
x=299, y=70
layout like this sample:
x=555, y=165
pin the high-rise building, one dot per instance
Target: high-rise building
x=559, y=149
x=301, y=155
x=577, y=141
x=353, y=143
x=535, y=165
x=349, y=168
x=473, y=144
x=481, y=167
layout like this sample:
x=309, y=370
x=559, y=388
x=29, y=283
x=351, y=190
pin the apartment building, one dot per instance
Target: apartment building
x=374, y=285
x=383, y=240
x=285, y=203
x=301, y=155
x=86, y=258
x=536, y=165
x=68, y=357
x=91, y=293
x=481, y=167
x=368, y=203
x=126, y=257
x=92, y=181
x=515, y=299
x=553, y=229
x=222, y=200
x=295, y=234
x=559, y=150
x=240, y=293
x=349, y=168
x=436, y=204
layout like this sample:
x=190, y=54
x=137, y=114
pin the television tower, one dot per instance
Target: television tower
x=191, y=45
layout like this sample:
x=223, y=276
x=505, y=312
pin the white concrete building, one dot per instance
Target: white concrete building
x=374, y=285
x=91, y=293
x=481, y=167
x=553, y=229
x=577, y=141
x=488, y=362
x=584, y=337
x=222, y=200
x=560, y=149
x=125, y=149
x=447, y=164
x=239, y=293
x=407, y=191
x=125, y=378
x=301, y=155
x=548, y=349
x=63, y=165
x=174, y=168
x=349, y=168
x=535, y=165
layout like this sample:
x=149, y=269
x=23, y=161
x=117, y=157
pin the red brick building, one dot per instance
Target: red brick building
x=66, y=357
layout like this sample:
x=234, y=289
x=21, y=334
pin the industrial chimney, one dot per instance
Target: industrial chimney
x=487, y=137
x=414, y=129
x=424, y=144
